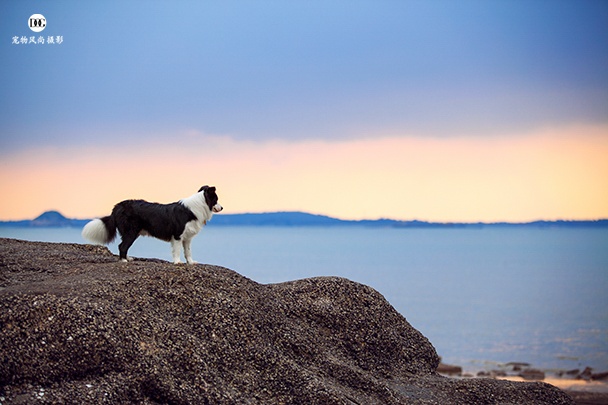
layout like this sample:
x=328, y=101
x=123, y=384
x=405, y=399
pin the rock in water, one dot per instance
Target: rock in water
x=76, y=326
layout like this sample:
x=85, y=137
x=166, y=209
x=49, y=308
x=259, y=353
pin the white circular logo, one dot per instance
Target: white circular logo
x=37, y=22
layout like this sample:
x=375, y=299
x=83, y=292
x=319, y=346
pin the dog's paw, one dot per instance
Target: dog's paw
x=192, y=261
x=177, y=261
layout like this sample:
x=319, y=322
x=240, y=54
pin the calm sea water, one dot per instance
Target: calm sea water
x=481, y=296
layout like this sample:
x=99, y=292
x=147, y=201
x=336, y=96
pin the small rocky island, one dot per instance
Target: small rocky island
x=77, y=326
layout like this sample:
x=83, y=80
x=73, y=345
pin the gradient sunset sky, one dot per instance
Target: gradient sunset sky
x=432, y=110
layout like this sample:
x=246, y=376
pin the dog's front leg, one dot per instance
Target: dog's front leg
x=188, y=251
x=176, y=250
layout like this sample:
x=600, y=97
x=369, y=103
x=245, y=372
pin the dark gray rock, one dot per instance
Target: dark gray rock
x=532, y=374
x=76, y=326
x=449, y=369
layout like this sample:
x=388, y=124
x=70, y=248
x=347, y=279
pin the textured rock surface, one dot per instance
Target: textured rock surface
x=76, y=326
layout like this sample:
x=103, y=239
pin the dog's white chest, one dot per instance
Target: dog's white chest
x=192, y=228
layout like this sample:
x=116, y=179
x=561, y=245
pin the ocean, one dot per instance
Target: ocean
x=483, y=297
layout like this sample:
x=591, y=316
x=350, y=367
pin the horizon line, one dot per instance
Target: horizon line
x=350, y=220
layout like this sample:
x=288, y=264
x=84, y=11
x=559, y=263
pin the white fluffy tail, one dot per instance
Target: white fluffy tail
x=95, y=231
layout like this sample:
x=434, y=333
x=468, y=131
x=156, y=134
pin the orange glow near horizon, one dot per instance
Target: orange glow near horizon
x=551, y=174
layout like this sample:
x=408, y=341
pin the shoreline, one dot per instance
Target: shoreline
x=567, y=384
x=582, y=392
x=584, y=387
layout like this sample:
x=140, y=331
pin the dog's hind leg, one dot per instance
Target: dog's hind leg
x=176, y=250
x=188, y=251
x=125, y=244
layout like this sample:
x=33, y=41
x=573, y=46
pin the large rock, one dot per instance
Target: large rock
x=76, y=326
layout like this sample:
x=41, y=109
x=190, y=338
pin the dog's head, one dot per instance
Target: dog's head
x=211, y=198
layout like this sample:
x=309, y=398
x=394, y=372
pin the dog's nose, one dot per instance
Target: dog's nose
x=217, y=208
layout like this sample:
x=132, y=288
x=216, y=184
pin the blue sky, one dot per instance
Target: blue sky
x=132, y=75
x=275, y=69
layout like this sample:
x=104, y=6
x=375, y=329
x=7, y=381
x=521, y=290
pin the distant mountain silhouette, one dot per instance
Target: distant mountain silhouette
x=51, y=218
x=277, y=219
x=48, y=219
x=296, y=218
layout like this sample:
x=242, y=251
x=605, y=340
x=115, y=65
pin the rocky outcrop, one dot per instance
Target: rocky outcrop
x=76, y=326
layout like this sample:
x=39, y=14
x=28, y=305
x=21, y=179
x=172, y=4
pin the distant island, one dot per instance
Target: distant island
x=293, y=219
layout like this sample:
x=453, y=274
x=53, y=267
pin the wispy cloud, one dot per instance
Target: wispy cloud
x=548, y=174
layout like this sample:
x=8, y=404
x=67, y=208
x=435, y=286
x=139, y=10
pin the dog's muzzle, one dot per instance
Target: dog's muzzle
x=217, y=208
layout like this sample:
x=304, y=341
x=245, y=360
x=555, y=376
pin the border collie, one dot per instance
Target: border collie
x=177, y=222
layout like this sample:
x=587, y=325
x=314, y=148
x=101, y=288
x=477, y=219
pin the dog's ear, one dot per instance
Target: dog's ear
x=212, y=189
x=203, y=188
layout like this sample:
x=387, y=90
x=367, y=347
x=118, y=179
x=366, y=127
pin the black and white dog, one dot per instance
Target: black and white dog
x=177, y=222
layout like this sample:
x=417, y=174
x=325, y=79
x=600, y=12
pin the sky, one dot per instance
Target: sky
x=434, y=110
